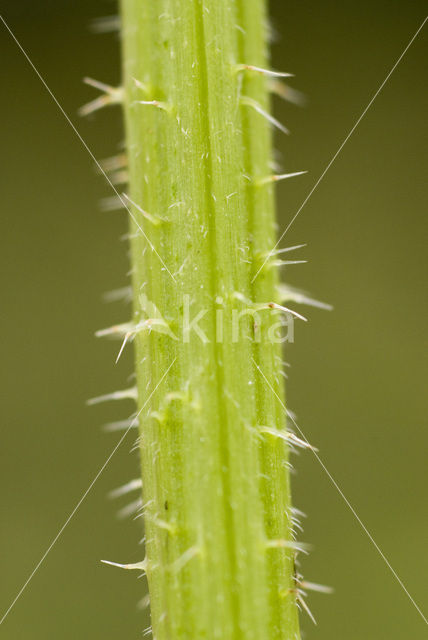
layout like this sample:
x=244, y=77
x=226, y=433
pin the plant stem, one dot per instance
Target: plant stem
x=215, y=483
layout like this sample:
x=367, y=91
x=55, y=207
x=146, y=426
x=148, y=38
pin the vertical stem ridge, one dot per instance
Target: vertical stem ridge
x=224, y=453
x=258, y=153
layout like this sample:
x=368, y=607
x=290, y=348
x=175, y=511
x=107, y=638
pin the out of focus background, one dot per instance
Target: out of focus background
x=358, y=374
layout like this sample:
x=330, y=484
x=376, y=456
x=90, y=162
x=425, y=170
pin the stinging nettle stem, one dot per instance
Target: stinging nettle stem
x=215, y=473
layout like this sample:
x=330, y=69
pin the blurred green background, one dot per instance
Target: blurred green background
x=358, y=376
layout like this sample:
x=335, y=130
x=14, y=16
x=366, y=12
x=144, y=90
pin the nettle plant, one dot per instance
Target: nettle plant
x=208, y=320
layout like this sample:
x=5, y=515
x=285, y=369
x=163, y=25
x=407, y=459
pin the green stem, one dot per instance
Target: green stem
x=215, y=484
